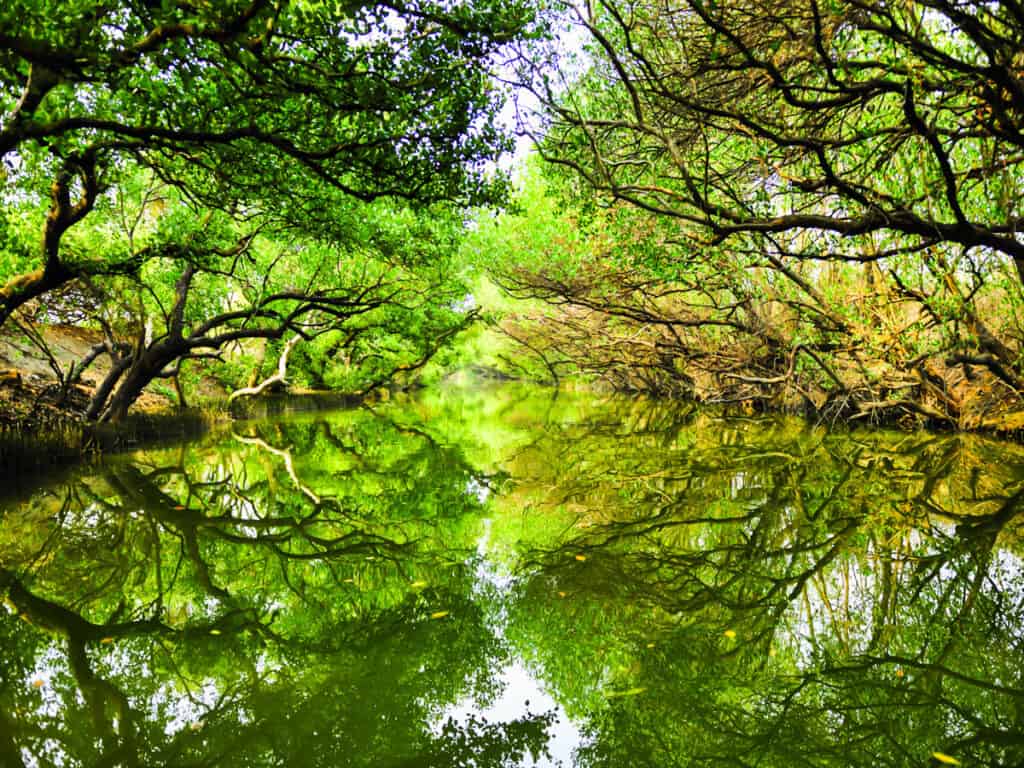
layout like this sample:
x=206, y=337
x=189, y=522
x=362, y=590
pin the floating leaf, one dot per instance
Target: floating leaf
x=730, y=633
x=944, y=758
x=438, y=614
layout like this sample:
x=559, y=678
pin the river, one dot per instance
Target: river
x=506, y=577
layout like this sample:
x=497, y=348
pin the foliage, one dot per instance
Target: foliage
x=688, y=589
x=810, y=205
x=151, y=147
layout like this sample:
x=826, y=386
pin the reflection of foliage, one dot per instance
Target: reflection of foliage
x=491, y=743
x=755, y=592
x=690, y=589
x=257, y=596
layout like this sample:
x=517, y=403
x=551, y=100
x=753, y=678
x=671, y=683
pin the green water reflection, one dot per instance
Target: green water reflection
x=502, y=578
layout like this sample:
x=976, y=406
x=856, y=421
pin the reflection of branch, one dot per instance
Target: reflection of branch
x=97, y=692
x=868, y=662
x=134, y=485
x=285, y=456
x=56, y=617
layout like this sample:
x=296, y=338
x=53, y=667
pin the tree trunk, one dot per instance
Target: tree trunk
x=143, y=369
x=102, y=393
x=137, y=379
x=179, y=390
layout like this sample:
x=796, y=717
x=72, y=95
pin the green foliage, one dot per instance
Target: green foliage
x=538, y=232
x=770, y=197
x=187, y=162
x=676, y=588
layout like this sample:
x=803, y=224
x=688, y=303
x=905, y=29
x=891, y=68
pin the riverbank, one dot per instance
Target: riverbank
x=38, y=435
x=30, y=393
x=38, y=428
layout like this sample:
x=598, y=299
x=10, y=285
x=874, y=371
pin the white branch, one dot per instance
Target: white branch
x=277, y=378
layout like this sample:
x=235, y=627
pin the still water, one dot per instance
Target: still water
x=504, y=578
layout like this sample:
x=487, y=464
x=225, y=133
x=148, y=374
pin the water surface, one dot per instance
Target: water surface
x=500, y=577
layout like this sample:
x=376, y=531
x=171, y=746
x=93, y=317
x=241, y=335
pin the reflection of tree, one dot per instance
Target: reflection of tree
x=253, y=600
x=692, y=590
x=754, y=593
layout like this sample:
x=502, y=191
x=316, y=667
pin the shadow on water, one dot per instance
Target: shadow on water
x=30, y=457
x=499, y=578
x=26, y=459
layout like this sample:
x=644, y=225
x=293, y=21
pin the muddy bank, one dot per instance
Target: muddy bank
x=39, y=435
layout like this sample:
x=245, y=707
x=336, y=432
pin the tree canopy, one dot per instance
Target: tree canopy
x=261, y=107
x=811, y=203
x=183, y=176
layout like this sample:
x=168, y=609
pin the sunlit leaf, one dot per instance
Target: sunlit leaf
x=944, y=758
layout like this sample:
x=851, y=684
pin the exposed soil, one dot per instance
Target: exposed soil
x=28, y=385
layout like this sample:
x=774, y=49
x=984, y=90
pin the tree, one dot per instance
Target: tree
x=378, y=297
x=270, y=107
x=796, y=147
